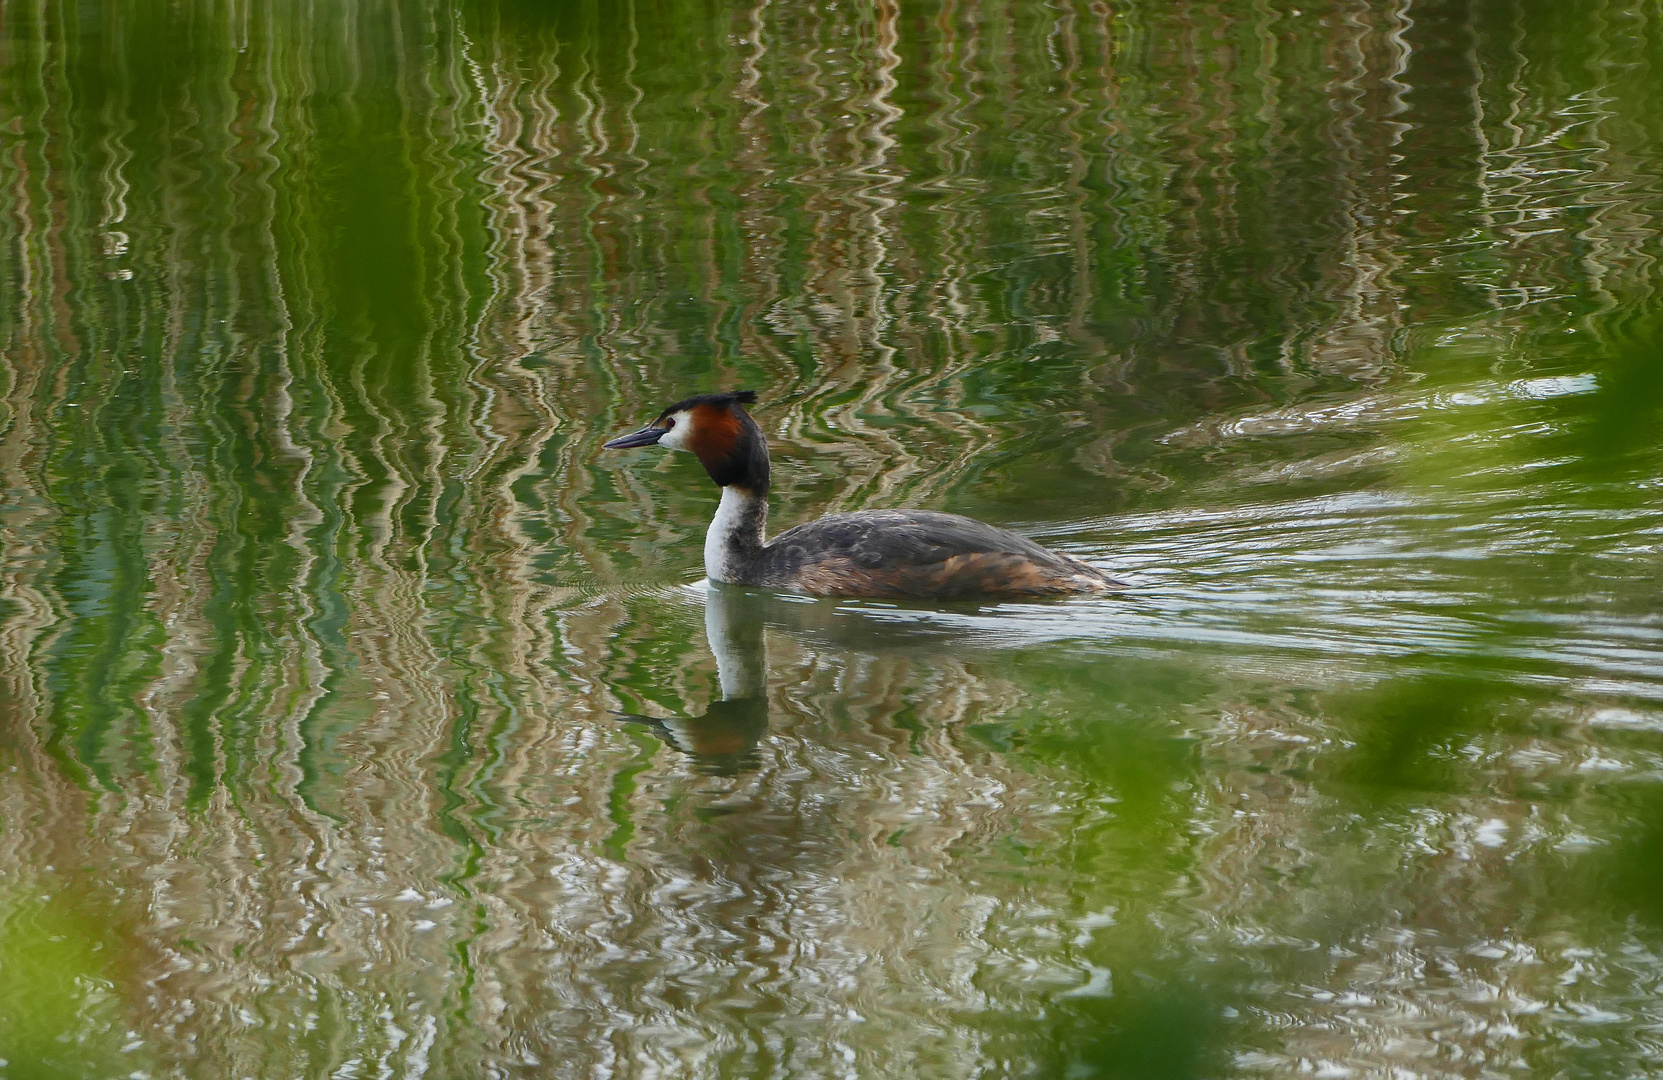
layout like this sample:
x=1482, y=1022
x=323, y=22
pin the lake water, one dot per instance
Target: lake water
x=360, y=717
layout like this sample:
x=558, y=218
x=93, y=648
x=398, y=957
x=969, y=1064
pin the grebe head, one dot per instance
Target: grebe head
x=716, y=429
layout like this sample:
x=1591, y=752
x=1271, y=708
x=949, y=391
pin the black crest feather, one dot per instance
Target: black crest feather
x=736, y=397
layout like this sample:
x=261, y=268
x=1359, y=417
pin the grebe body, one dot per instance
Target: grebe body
x=916, y=554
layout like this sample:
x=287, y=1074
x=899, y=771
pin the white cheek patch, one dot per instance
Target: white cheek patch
x=676, y=437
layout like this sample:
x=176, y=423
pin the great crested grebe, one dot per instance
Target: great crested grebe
x=918, y=554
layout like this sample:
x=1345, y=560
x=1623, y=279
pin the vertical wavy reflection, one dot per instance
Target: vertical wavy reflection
x=318, y=605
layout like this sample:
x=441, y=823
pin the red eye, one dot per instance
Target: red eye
x=670, y=423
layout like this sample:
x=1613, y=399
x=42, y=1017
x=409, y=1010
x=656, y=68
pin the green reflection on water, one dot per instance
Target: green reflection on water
x=364, y=702
x=58, y=1014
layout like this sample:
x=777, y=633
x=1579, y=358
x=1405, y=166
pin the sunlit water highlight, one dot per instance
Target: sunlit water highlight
x=359, y=717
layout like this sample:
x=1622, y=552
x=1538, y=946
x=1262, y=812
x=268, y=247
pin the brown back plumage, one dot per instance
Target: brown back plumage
x=919, y=554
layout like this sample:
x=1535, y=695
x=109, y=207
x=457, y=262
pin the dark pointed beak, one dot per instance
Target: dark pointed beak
x=647, y=436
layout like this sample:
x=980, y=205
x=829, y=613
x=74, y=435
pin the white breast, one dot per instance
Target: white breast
x=721, y=552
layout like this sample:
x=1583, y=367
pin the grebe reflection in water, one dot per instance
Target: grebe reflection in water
x=722, y=741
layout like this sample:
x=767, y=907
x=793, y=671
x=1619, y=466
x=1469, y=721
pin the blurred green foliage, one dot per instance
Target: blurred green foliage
x=60, y=1010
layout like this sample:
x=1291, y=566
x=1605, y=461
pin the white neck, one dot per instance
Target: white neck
x=735, y=535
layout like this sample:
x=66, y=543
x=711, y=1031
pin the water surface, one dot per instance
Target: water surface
x=360, y=718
